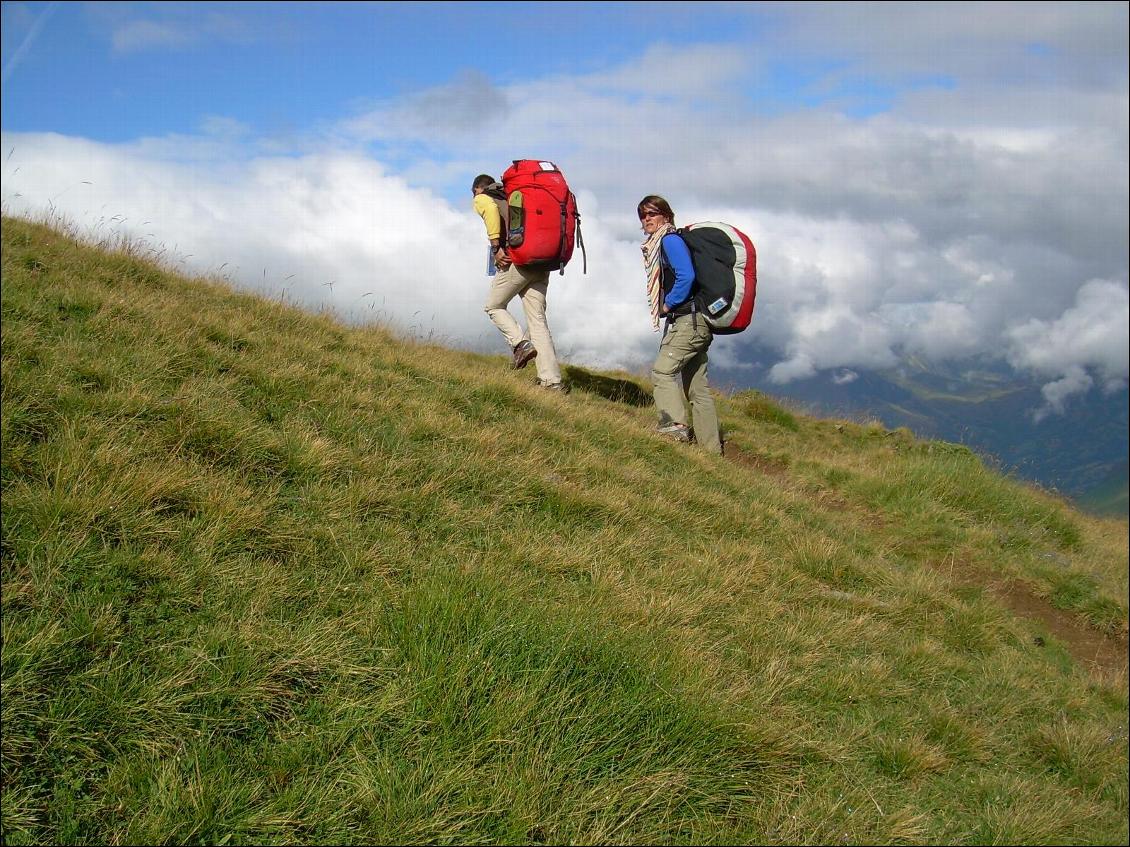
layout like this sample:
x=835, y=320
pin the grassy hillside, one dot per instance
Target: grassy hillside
x=1080, y=454
x=271, y=579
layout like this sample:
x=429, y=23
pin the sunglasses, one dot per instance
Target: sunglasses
x=651, y=213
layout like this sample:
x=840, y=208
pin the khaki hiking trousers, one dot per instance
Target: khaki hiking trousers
x=679, y=377
x=531, y=286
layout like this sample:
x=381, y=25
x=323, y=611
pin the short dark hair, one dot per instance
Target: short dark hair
x=654, y=201
x=482, y=181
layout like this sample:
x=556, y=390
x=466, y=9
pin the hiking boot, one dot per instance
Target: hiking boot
x=679, y=432
x=553, y=386
x=523, y=352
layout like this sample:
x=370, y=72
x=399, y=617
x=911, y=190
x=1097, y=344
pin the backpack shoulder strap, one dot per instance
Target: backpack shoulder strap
x=495, y=193
x=504, y=217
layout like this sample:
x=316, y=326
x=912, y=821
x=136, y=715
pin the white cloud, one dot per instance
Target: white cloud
x=968, y=40
x=800, y=366
x=151, y=35
x=1056, y=393
x=334, y=231
x=470, y=105
x=177, y=27
x=939, y=331
x=964, y=222
x=1092, y=334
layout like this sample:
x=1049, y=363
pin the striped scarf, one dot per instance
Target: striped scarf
x=652, y=248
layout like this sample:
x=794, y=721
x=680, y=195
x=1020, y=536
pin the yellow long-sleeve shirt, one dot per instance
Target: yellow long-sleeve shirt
x=488, y=211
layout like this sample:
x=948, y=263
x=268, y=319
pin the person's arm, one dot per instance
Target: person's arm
x=488, y=211
x=679, y=257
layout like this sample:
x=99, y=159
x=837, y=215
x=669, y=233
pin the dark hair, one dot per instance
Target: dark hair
x=482, y=181
x=654, y=201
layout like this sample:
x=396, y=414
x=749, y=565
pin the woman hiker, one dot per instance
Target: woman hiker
x=679, y=372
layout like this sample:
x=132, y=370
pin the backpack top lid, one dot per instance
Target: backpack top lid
x=531, y=166
x=528, y=173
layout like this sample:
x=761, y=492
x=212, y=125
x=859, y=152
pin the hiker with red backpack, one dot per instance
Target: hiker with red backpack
x=509, y=279
x=679, y=372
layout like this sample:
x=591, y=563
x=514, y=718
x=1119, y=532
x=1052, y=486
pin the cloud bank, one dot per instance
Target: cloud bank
x=965, y=198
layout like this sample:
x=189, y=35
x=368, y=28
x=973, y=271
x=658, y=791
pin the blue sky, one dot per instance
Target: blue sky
x=115, y=71
x=942, y=180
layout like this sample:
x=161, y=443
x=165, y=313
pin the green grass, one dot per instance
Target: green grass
x=268, y=578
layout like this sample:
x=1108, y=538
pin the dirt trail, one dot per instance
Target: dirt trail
x=1085, y=643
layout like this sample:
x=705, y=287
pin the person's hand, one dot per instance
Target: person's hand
x=502, y=261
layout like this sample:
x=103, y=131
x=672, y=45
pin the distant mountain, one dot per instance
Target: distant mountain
x=1081, y=454
x=1110, y=496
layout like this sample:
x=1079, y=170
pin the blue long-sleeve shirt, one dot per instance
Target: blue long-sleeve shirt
x=678, y=257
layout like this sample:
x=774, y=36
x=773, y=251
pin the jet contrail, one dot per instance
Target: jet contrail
x=28, y=39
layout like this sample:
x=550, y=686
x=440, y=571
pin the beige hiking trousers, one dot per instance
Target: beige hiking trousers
x=531, y=286
x=679, y=377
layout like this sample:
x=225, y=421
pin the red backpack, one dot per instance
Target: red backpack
x=542, y=222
